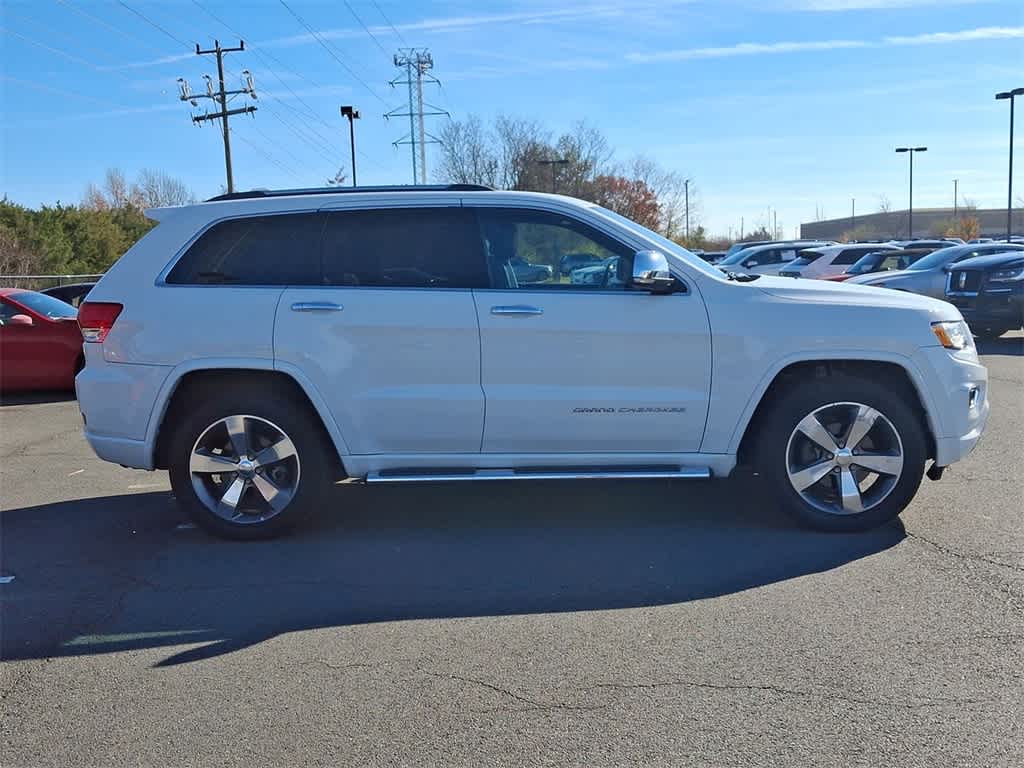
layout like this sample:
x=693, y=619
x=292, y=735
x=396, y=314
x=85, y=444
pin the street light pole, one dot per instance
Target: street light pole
x=352, y=114
x=910, y=210
x=956, y=196
x=1009, y=185
x=686, y=188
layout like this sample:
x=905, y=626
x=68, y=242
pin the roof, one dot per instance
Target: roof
x=12, y=291
x=261, y=193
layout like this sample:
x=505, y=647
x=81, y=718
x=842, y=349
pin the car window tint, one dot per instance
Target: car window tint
x=7, y=311
x=849, y=255
x=404, y=248
x=255, y=250
x=524, y=249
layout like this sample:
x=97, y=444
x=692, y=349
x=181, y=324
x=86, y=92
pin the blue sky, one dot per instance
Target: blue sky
x=794, y=105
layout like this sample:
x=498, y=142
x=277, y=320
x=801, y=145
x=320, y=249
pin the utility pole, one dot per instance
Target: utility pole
x=853, y=213
x=775, y=223
x=220, y=97
x=956, y=196
x=352, y=114
x=1011, y=95
x=417, y=64
x=741, y=228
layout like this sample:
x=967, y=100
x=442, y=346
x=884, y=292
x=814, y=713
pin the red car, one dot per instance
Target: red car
x=40, y=343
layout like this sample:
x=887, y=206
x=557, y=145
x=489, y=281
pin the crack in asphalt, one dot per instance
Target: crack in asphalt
x=780, y=691
x=946, y=550
x=534, y=704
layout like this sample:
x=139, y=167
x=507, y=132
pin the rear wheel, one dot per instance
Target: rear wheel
x=841, y=453
x=249, y=466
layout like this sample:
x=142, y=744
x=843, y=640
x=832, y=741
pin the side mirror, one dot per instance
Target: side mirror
x=947, y=268
x=650, y=271
x=20, y=320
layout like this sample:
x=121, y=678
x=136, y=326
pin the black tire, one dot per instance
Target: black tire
x=278, y=407
x=799, y=400
x=989, y=334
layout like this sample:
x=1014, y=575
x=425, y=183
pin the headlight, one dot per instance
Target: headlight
x=1007, y=275
x=952, y=334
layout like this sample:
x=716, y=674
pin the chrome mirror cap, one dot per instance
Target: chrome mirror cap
x=650, y=270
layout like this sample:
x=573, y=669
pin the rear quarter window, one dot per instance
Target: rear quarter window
x=256, y=250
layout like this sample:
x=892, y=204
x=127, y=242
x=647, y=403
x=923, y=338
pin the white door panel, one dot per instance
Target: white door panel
x=400, y=369
x=593, y=371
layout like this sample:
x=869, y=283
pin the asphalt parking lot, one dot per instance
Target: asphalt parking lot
x=548, y=624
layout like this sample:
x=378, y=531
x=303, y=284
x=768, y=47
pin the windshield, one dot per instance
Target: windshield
x=937, y=258
x=44, y=305
x=736, y=258
x=865, y=263
x=664, y=243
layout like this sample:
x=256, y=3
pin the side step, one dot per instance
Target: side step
x=677, y=473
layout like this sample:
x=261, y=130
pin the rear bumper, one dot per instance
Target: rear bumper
x=116, y=401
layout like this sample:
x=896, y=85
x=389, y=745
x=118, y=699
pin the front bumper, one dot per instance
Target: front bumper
x=991, y=308
x=959, y=410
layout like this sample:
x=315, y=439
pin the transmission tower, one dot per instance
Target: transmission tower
x=220, y=96
x=416, y=64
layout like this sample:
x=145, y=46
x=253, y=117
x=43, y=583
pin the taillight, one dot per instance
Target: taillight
x=96, y=318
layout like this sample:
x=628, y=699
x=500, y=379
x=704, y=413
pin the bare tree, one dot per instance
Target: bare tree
x=155, y=189
x=889, y=221
x=152, y=189
x=467, y=154
x=15, y=259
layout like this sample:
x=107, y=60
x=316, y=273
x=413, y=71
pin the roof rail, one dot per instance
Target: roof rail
x=257, y=193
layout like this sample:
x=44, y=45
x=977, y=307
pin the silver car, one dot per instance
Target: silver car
x=927, y=276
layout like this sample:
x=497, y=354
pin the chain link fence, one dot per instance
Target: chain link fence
x=41, y=282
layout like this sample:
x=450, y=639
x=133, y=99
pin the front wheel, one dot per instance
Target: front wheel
x=841, y=453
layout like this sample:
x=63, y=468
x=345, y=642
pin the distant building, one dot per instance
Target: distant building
x=928, y=222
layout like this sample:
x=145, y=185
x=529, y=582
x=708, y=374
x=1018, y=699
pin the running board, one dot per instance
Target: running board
x=681, y=473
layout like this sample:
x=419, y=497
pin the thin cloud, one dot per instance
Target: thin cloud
x=149, y=62
x=833, y=6
x=456, y=24
x=757, y=49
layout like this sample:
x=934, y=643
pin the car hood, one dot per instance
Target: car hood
x=828, y=292
x=883, y=277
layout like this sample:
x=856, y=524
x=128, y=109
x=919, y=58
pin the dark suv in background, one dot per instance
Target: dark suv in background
x=989, y=292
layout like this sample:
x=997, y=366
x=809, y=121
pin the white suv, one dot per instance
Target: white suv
x=262, y=346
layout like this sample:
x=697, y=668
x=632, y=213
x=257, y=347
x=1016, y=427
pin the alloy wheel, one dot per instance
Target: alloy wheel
x=844, y=458
x=244, y=469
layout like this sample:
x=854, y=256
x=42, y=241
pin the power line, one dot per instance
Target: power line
x=153, y=24
x=330, y=49
x=101, y=22
x=393, y=27
x=65, y=54
x=366, y=28
x=266, y=155
x=59, y=91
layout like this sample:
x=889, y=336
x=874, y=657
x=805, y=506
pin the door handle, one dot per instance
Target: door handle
x=316, y=306
x=516, y=309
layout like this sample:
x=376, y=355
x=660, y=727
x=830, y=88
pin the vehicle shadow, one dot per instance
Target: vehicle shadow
x=1012, y=345
x=117, y=573
x=34, y=398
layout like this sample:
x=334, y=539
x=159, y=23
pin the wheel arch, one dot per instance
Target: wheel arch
x=186, y=380
x=901, y=374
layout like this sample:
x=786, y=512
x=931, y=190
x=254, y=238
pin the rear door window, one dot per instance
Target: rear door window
x=850, y=255
x=255, y=250
x=404, y=248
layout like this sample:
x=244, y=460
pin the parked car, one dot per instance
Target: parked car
x=72, y=293
x=923, y=243
x=739, y=246
x=604, y=275
x=262, y=345
x=977, y=240
x=927, y=276
x=40, y=344
x=528, y=272
x=881, y=261
x=831, y=259
x=989, y=292
x=572, y=261
x=765, y=259
x=713, y=257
